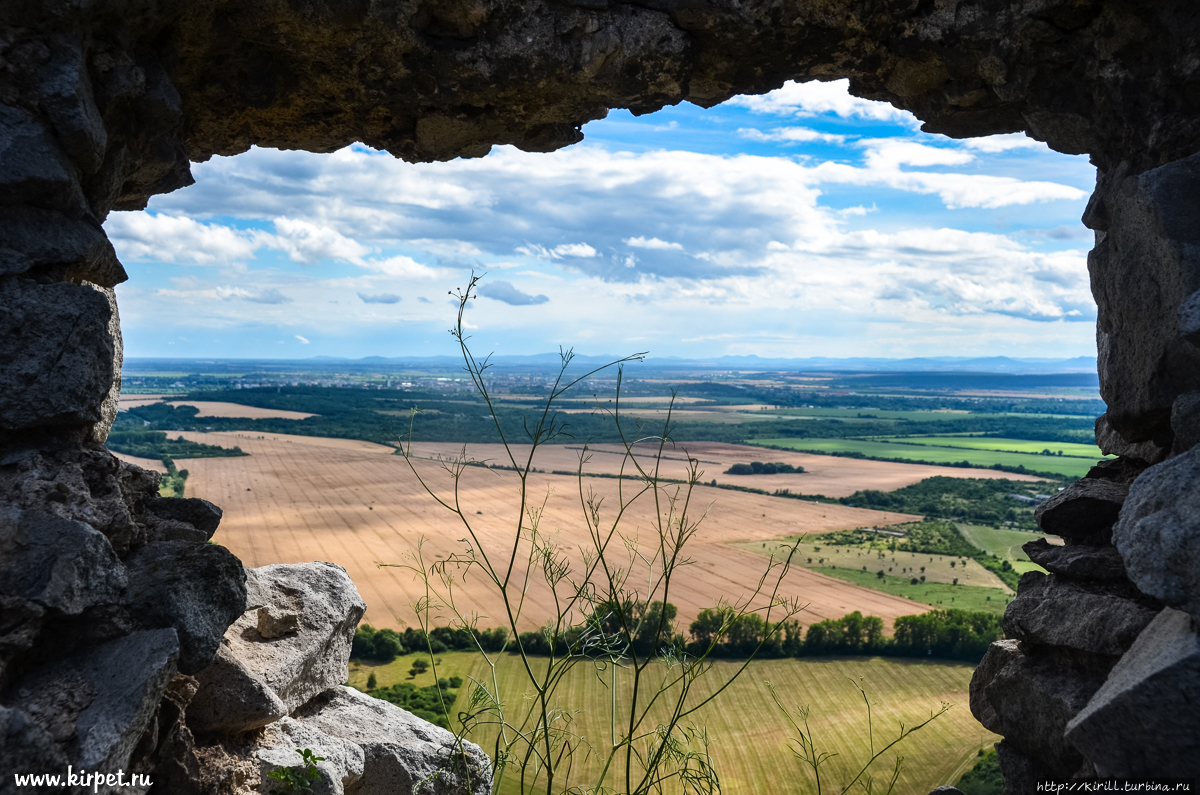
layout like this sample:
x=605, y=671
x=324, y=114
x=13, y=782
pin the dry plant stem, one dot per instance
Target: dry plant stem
x=599, y=617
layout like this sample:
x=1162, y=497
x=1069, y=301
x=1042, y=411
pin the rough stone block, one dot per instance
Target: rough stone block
x=1185, y=422
x=200, y=514
x=56, y=354
x=100, y=701
x=1142, y=270
x=58, y=563
x=20, y=624
x=1028, y=696
x=1085, y=511
x=277, y=748
x=1078, y=561
x=1145, y=719
x=300, y=664
x=230, y=699
x=198, y=589
x=34, y=169
x=1158, y=534
x=25, y=745
x=66, y=97
x=74, y=249
x=1112, y=443
x=1053, y=611
x=400, y=749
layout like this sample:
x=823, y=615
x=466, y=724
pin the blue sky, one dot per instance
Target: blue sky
x=804, y=222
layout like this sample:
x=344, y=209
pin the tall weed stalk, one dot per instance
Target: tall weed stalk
x=608, y=615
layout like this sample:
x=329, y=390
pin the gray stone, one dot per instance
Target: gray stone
x=1078, y=561
x=1111, y=443
x=198, y=589
x=341, y=768
x=1185, y=422
x=26, y=746
x=1159, y=532
x=66, y=97
x=47, y=241
x=1085, y=511
x=1020, y=773
x=58, y=563
x=200, y=514
x=1029, y=695
x=1145, y=720
x=1143, y=268
x=231, y=699
x=401, y=749
x=20, y=624
x=1189, y=318
x=275, y=621
x=34, y=169
x=99, y=702
x=298, y=665
x=56, y=354
x=1051, y=611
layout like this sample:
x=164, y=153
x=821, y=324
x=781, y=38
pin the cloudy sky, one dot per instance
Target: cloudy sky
x=805, y=222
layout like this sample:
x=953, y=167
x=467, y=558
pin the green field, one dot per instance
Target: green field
x=1003, y=543
x=1089, y=451
x=938, y=594
x=1059, y=465
x=748, y=735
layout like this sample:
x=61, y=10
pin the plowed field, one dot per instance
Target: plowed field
x=298, y=498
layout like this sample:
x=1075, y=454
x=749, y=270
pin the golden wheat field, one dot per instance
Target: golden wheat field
x=297, y=498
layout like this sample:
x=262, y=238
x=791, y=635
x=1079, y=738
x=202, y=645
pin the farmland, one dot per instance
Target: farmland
x=1089, y=451
x=749, y=735
x=298, y=498
x=1004, y=543
x=879, y=448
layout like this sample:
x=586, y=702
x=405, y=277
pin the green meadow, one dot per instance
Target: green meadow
x=879, y=448
x=748, y=734
x=1075, y=450
x=1004, y=543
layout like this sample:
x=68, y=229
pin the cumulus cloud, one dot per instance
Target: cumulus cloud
x=581, y=250
x=789, y=135
x=652, y=243
x=813, y=98
x=500, y=290
x=264, y=295
x=172, y=238
x=994, y=144
x=381, y=298
x=309, y=243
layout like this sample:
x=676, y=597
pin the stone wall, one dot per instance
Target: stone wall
x=103, y=104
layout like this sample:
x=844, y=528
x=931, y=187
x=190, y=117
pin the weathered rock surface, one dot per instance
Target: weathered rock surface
x=231, y=699
x=183, y=519
x=400, y=749
x=1077, y=561
x=1147, y=223
x=1101, y=621
x=1185, y=422
x=299, y=664
x=1029, y=696
x=199, y=589
x=1083, y=512
x=57, y=563
x=56, y=354
x=98, y=704
x=277, y=747
x=1159, y=532
x=1142, y=721
x=1112, y=443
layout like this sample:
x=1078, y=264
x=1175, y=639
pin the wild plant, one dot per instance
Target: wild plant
x=610, y=610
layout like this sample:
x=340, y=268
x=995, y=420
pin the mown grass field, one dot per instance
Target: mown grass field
x=1004, y=543
x=748, y=735
x=937, y=594
x=876, y=448
x=1088, y=451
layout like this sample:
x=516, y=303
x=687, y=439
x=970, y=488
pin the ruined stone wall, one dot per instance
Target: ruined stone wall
x=103, y=104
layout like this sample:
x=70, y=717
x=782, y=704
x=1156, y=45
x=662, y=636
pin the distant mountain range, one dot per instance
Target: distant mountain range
x=936, y=364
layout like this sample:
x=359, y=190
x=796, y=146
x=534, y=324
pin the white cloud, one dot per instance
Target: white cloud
x=380, y=298
x=309, y=243
x=172, y=238
x=652, y=243
x=812, y=98
x=994, y=144
x=263, y=295
x=891, y=153
x=500, y=290
x=789, y=135
x=303, y=340
x=402, y=266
